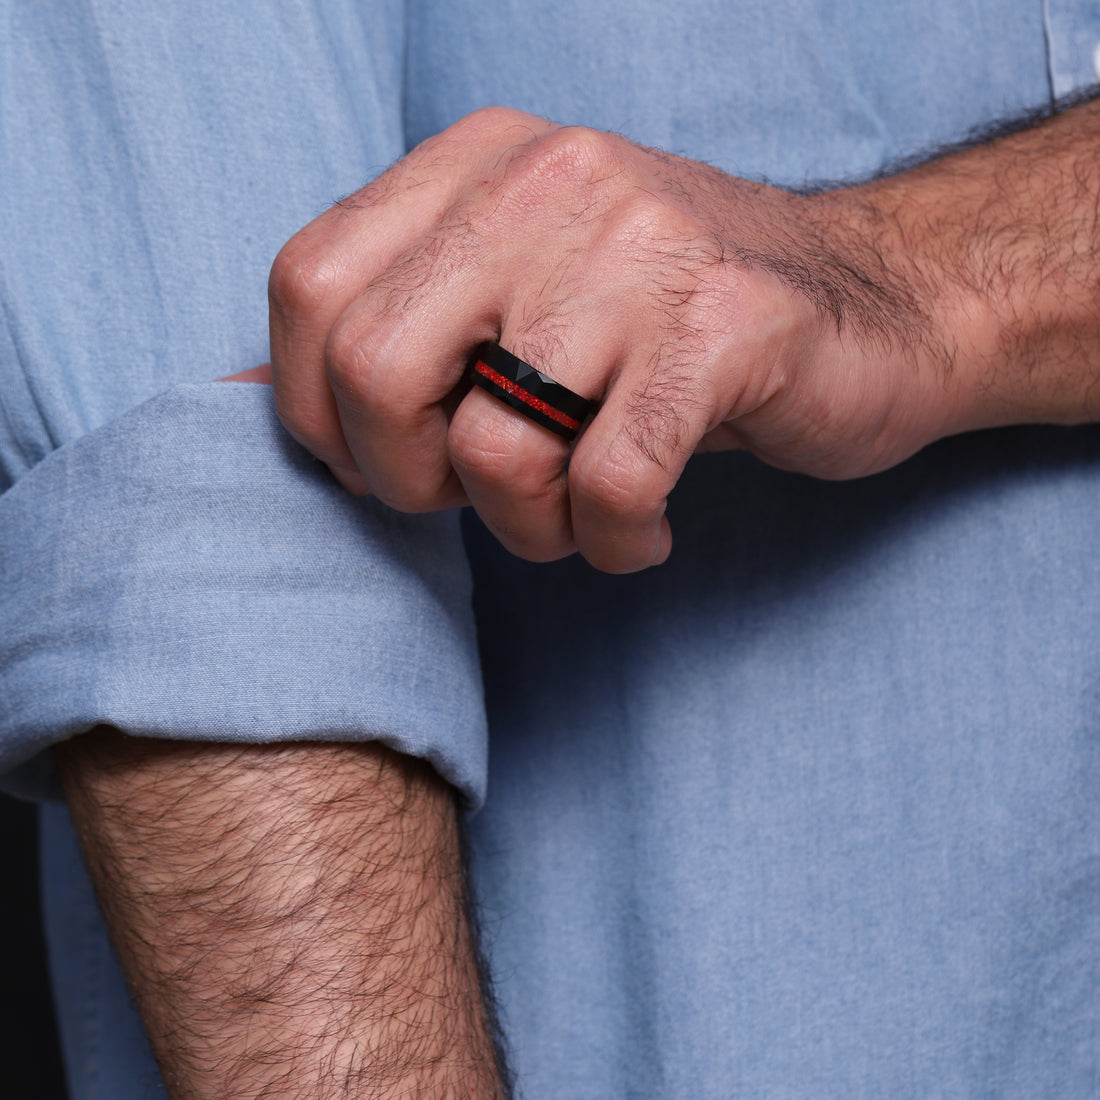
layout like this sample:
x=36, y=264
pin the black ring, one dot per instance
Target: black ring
x=529, y=391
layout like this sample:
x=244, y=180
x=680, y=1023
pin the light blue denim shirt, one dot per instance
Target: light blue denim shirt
x=811, y=810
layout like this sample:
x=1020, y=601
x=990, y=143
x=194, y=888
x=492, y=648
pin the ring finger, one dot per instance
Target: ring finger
x=510, y=441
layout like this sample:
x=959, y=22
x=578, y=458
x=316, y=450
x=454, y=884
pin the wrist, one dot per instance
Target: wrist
x=999, y=240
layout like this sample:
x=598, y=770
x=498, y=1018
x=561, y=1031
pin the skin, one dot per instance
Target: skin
x=834, y=333
x=292, y=918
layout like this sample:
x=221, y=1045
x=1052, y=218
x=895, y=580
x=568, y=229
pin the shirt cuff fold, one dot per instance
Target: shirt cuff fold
x=189, y=572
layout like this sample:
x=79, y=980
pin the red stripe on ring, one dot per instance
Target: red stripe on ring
x=526, y=396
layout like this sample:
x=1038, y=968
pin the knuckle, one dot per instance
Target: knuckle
x=355, y=355
x=302, y=278
x=619, y=485
x=482, y=446
x=496, y=451
x=644, y=224
x=489, y=121
x=570, y=168
x=574, y=155
x=675, y=249
x=498, y=131
x=517, y=488
x=618, y=502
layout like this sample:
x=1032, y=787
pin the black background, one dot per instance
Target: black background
x=28, y=1039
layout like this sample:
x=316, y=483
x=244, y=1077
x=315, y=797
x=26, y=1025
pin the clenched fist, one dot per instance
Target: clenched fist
x=833, y=333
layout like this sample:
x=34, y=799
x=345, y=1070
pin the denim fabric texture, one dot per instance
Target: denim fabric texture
x=154, y=161
x=809, y=811
x=1073, y=33
x=812, y=810
x=218, y=590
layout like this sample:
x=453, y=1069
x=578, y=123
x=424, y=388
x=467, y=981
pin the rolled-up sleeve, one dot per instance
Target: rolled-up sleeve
x=188, y=572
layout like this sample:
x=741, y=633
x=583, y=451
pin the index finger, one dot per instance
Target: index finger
x=314, y=278
x=324, y=267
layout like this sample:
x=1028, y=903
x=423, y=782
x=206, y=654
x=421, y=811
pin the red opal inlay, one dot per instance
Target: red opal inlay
x=526, y=397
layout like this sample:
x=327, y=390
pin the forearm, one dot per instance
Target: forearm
x=834, y=333
x=291, y=917
x=997, y=248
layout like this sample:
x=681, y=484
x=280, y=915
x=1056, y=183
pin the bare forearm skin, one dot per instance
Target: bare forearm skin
x=998, y=249
x=291, y=918
x=960, y=294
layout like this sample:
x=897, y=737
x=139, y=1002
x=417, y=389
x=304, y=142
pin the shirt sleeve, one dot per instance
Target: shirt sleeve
x=188, y=572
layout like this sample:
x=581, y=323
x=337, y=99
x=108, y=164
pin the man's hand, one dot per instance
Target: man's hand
x=290, y=917
x=834, y=333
